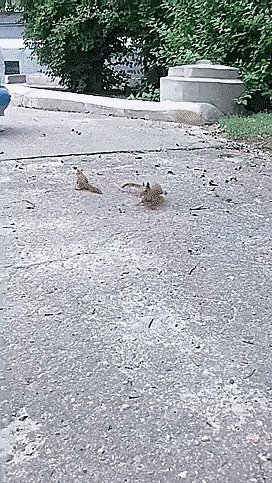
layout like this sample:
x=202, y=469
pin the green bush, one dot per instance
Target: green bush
x=145, y=93
x=233, y=32
x=76, y=39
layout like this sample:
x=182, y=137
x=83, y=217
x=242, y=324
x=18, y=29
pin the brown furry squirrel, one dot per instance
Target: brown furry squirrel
x=82, y=183
x=151, y=196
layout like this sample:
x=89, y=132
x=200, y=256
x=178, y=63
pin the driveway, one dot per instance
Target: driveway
x=136, y=344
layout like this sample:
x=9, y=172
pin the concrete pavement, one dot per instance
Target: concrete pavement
x=31, y=132
x=137, y=344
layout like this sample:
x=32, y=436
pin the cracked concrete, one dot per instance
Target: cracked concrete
x=31, y=132
x=137, y=344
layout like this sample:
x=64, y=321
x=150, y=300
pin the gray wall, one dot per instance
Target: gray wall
x=11, y=43
x=11, y=26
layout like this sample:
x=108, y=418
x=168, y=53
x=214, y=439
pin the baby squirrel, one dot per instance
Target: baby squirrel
x=151, y=196
x=82, y=183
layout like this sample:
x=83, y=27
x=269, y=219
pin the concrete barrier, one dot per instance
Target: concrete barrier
x=15, y=79
x=183, y=112
x=203, y=82
x=42, y=80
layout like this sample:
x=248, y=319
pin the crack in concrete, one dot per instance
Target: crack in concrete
x=45, y=262
x=124, y=151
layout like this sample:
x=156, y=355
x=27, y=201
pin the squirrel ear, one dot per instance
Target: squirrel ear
x=147, y=186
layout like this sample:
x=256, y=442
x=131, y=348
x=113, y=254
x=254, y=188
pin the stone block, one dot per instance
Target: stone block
x=199, y=70
x=42, y=80
x=203, y=83
x=15, y=79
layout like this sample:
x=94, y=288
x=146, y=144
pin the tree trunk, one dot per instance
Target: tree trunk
x=87, y=76
x=94, y=78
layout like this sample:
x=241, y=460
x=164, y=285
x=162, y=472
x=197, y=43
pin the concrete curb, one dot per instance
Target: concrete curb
x=182, y=112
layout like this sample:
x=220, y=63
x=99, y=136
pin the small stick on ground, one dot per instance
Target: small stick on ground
x=192, y=269
x=198, y=208
x=249, y=375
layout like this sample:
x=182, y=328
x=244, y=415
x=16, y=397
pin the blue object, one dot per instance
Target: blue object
x=4, y=99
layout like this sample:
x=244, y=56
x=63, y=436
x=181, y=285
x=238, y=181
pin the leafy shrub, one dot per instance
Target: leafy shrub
x=145, y=93
x=233, y=32
x=76, y=39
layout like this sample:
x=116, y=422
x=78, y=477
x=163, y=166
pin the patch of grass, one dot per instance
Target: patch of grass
x=254, y=126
